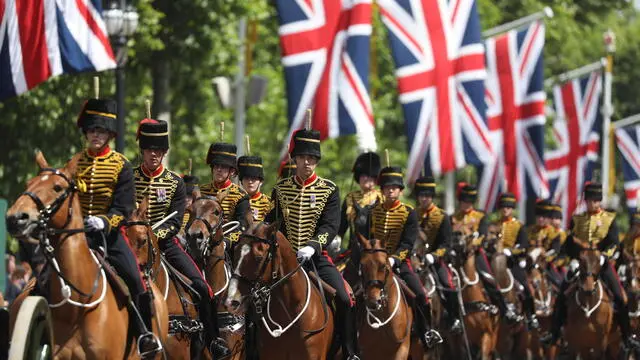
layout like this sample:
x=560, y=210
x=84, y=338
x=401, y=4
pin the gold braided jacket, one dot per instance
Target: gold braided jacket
x=161, y=190
x=363, y=199
x=302, y=207
x=470, y=222
x=100, y=174
x=234, y=193
x=541, y=236
x=260, y=206
x=387, y=225
x=510, y=229
x=593, y=228
x=430, y=221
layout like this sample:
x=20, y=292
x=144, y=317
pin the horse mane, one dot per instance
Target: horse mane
x=500, y=268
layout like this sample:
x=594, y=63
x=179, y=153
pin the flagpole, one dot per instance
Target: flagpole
x=576, y=73
x=547, y=12
x=633, y=119
x=608, y=162
x=450, y=198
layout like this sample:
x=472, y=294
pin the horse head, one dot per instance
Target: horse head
x=142, y=240
x=633, y=287
x=591, y=262
x=362, y=219
x=535, y=266
x=258, y=260
x=204, y=233
x=48, y=202
x=376, y=270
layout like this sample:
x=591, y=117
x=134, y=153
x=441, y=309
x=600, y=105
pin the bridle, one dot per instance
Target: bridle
x=207, y=245
x=151, y=250
x=376, y=283
x=44, y=230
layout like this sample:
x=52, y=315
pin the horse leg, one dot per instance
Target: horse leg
x=485, y=346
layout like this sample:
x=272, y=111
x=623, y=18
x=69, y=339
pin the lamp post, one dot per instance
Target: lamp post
x=121, y=20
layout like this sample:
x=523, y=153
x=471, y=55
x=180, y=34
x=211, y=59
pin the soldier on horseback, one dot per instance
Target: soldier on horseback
x=309, y=208
x=632, y=239
x=474, y=222
x=251, y=174
x=365, y=173
x=598, y=229
x=107, y=198
x=190, y=184
x=396, y=225
x=547, y=236
x=287, y=169
x=434, y=241
x=514, y=242
x=235, y=205
x=166, y=192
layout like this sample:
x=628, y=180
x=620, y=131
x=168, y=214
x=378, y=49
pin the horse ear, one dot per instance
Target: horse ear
x=40, y=160
x=248, y=217
x=196, y=193
x=273, y=228
x=364, y=243
x=72, y=166
x=144, y=206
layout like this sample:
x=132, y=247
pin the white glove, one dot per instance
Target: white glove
x=622, y=270
x=94, y=223
x=507, y=252
x=602, y=260
x=305, y=253
x=430, y=259
x=574, y=265
x=392, y=261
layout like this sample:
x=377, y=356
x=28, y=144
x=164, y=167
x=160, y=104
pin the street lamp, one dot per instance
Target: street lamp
x=121, y=20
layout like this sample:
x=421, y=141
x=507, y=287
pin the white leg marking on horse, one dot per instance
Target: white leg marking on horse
x=232, y=294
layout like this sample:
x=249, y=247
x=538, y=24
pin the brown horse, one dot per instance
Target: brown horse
x=205, y=243
x=179, y=305
x=544, y=297
x=83, y=303
x=386, y=333
x=589, y=309
x=288, y=308
x=513, y=339
x=479, y=320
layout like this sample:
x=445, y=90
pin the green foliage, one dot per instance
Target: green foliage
x=197, y=40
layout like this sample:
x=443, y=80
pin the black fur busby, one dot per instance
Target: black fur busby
x=250, y=166
x=367, y=164
x=556, y=211
x=468, y=193
x=544, y=208
x=153, y=134
x=593, y=191
x=190, y=183
x=507, y=200
x=222, y=154
x=306, y=142
x=391, y=175
x=98, y=113
x=425, y=185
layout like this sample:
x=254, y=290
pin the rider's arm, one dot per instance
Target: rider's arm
x=610, y=243
x=522, y=242
x=408, y=236
x=483, y=227
x=171, y=227
x=274, y=213
x=443, y=238
x=123, y=200
x=328, y=223
x=344, y=222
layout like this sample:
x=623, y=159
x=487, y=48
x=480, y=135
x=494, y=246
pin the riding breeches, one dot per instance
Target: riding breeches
x=484, y=267
x=445, y=275
x=178, y=258
x=609, y=276
x=521, y=276
x=121, y=257
x=413, y=281
x=329, y=274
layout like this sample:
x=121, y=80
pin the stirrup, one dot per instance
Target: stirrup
x=219, y=349
x=432, y=338
x=456, y=326
x=632, y=343
x=548, y=339
x=353, y=357
x=152, y=338
x=533, y=323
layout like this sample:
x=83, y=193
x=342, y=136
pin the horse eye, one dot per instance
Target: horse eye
x=216, y=212
x=57, y=188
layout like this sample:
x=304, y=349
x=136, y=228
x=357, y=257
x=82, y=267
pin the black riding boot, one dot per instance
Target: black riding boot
x=508, y=310
x=428, y=336
x=148, y=343
x=209, y=317
x=453, y=309
x=630, y=341
x=349, y=333
x=529, y=309
x=559, y=315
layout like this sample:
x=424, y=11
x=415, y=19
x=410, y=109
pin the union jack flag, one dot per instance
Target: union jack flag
x=40, y=39
x=515, y=115
x=628, y=140
x=576, y=129
x=325, y=53
x=439, y=57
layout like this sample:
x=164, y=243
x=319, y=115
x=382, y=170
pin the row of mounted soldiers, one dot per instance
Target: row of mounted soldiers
x=311, y=215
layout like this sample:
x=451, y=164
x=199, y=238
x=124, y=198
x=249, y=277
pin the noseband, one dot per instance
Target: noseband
x=207, y=244
x=375, y=283
x=151, y=251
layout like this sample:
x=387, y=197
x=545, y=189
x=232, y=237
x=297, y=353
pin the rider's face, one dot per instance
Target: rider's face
x=506, y=212
x=593, y=205
x=391, y=193
x=220, y=173
x=367, y=183
x=556, y=222
x=152, y=158
x=542, y=221
x=251, y=184
x=306, y=165
x=98, y=138
x=464, y=205
x=425, y=201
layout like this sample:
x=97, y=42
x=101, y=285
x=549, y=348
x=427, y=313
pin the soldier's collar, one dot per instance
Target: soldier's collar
x=393, y=206
x=152, y=174
x=105, y=151
x=510, y=218
x=431, y=207
x=310, y=180
x=599, y=211
x=224, y=185
x=256, y=195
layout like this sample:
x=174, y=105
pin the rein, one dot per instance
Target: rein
x=151, y=251
x=44, y=228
